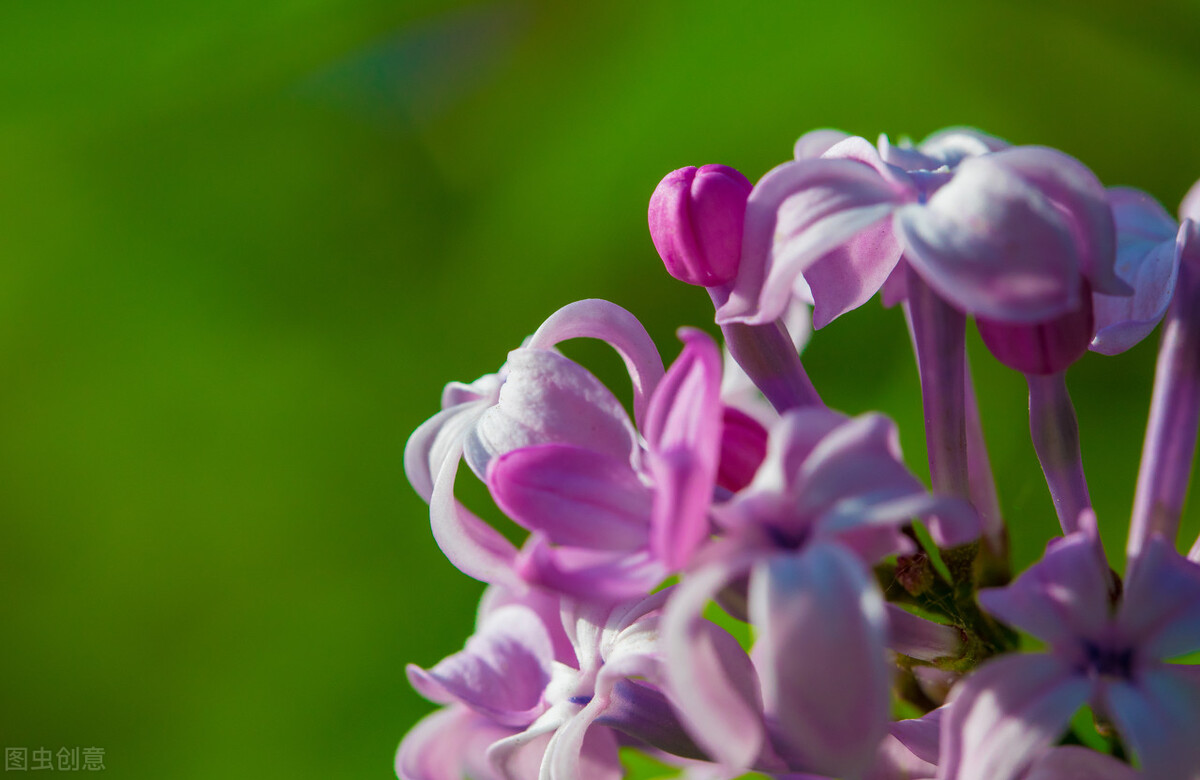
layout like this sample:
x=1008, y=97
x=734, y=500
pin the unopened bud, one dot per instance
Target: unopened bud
x=696, y=220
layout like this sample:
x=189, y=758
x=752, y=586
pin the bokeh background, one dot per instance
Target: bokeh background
x=243, y=246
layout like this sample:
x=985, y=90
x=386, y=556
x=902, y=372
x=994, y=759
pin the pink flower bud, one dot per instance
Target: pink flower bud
x=1041, y=348
x=696, y=219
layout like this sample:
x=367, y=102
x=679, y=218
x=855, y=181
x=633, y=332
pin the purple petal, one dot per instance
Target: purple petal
x=821, y=653
x=547, y=606
x=955, y=144
x=1059, y=599
x=502, y=672
x=546, y=399
x=1147, y=261
x=683, y=432
x=1157, y=715
x=597, y=575
x=1006, y=713
x=712, y=684
x=993, y=245
x=449, y=744
x=1078, y=194
x=1160, y=606
x=859, y=457
x=919, y=638
x=1071, y=762
x=432, y=443
x=599, y=319
x=1041, y=348
x=796, y=214
x=905, y=155
x=477, y=549
x=815, y=143
x=575, y=496
x=846, y=277
x=695, y=219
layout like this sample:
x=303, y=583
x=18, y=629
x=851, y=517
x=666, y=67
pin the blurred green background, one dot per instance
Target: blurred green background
x=243, y=246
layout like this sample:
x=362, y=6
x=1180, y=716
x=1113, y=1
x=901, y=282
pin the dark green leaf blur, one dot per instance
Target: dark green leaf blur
x=243, y=245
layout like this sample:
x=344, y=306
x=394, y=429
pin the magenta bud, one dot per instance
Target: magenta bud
x=1041, y=348
x=696, y=220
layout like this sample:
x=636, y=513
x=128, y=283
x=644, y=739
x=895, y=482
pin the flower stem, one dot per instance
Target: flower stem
x=768, y=356
x=1055, y=432
x=1170, y=442
x=939, y=338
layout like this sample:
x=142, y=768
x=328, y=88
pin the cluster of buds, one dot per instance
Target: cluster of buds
x=883, y=621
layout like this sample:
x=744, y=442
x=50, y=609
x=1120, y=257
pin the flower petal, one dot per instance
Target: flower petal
x=796, y=214
x=549, y=398
x=477, y=549
x=433, y=442
x=1158, y=714
x=991, y=244
x=683, y=432
x=1147, y=261
x=596, y=575
x=449, y=744
x=600, y=319
x=1062, y=597
x=955, y=144
x=575, y=496
x=501, y=673
x=1160, y=606
x=578, y=750
x=1080, y=197
x=821, y=654
x=1071, y=762
x=1005, y=713
x=711, y=682
x=815, y=143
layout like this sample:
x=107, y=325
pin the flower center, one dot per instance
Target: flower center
x=1107, y=661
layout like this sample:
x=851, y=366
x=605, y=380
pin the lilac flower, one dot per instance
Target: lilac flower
x=537, y=397
x=613, y=688
x=1115, y=659
x=1009, y=234
x=696, y=219
x=606, y=525
x=830, y=495
x=492, y=689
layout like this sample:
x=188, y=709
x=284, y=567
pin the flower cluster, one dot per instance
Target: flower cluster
x=886, y=625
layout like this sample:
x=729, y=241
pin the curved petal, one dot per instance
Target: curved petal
x=712, y=684
x=1071, y=762
x=991, y=244
x=449, y=744
x=502, y=672
x=477, y=549
x=549, y=398
x=645, y=714
x=815, y=143
x=916, y=637
x=955, y=144
x=821, y=653
x=796, y=214
x=599, y=319
x=1160, y=605
x=575, y=496
x=577, y=750
x=1080, y=197
x=683, y=433
x=1147, y=261
x=1007, y=711
x=1158, y=714
x=846, y=277
x=1062, y=597
x=905, y=155
x=595, y=575
x=434, y=441
x=547, y=606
